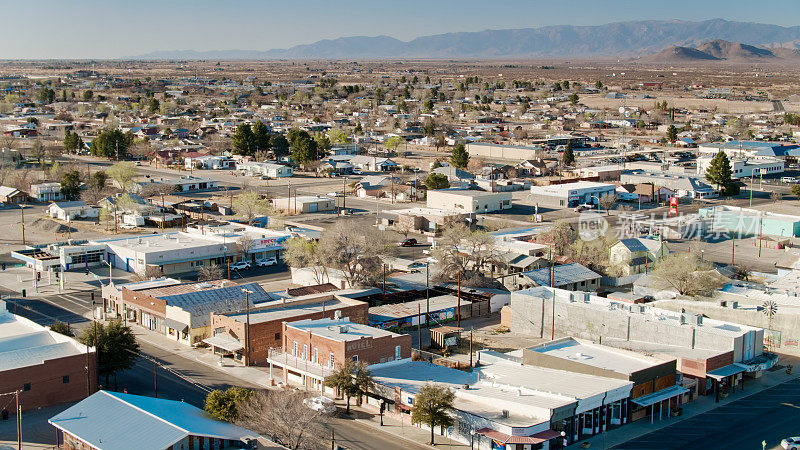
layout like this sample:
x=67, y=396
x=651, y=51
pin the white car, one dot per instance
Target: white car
x=266, y=262
x=791, y=443
x=322, y=405
x=335, y=194
x=241, y=265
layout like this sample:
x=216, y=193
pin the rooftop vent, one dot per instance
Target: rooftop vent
x=343, y=329
x=504, y=414
x=337, y=314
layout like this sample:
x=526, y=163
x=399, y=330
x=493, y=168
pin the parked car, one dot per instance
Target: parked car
x=410, y=242
x=322, y=404
x=335, y=194
x=788, y=180
x=791, y=443
x=584, y=207
x=266, y=262
x=241, y=265
x=358, y=172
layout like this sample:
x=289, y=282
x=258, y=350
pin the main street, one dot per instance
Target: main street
x=179, y=378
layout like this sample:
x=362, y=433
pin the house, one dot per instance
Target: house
x=72, y=210
x=114, y=420
x=46, y=192
x=454, y=175
x=313, y=348
x=631, y=256
x=209, y=162
x=11, y=196
x=572, y=276
x=536, y=167
x=691, y=186
x=373, y=163
x=641, y=192
x=468, y=201
x=187, y=183
x=48, y=367
x=271, y=170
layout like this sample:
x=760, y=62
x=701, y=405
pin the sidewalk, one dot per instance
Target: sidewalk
x=699, y=406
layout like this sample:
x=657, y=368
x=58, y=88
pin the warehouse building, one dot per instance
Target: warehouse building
x=467, y=201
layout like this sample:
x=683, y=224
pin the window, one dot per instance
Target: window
x=65, y=379
x=355, y=358
x=315, y=356
x=397, y=352
x=277, y=336
x=305, y=351
x=26, y=387
x=294, y=348
x=331, y=360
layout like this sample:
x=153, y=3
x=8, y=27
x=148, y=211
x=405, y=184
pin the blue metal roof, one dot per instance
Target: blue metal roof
x=633, y=244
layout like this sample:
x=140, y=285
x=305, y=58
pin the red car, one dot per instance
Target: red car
x=408, y=242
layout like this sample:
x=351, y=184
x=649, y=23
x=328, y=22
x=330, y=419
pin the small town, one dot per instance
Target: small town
x=499, y=233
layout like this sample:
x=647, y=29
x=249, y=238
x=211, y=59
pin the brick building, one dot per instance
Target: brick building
x=47, y=367
x=265, y=329
x=313, y=348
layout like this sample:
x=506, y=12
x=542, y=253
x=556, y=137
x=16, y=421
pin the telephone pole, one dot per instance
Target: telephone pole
x=19, y=422
x=22, y=212
x=155, y=378
x=458, y=309
x=247, y=326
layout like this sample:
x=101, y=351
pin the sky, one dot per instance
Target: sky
x=117, y=28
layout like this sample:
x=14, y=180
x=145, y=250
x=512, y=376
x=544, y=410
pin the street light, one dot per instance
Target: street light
x=471, y=439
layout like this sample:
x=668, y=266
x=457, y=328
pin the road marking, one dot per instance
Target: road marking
x=78, y=299
x=84, y=306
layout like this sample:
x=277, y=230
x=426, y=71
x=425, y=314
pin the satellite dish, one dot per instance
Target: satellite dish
x=621, y=109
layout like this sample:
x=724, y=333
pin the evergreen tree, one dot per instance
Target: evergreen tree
x=672, y=134
x=437, y=181
x=432, y=406
x=112, y=143
x=243, y=140
x=459, y=158
x=71, y=184
x=260, y=136
x=280, y=146
x=719, y=171
x=568, y=158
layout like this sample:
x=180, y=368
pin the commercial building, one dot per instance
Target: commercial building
x=467, y=201
x=304, y=204
x=682, y=185
x=436, y=310
x=537, y=311
x=263, y=325
x=750, y=222
x=751, y=149
x=48, y=368
x=313, y=348
x=113, y=420
x=569, y=195
x=271, y=170
x=746, y=168
x=427, y=220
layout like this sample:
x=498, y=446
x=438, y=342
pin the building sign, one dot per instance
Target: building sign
x=673, y=205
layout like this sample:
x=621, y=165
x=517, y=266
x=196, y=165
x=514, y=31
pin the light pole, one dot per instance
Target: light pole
x=471, y=439
x=247, y=293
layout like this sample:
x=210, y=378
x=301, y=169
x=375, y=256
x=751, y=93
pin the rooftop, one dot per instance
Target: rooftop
x=602, y=357
x=281, y=310
x=383, y=313
x=342, y=330
x=563, y=274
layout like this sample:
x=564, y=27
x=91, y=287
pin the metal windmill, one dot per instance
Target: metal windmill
x=770, y=308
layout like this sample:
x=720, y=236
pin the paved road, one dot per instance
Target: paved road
x=769, y=415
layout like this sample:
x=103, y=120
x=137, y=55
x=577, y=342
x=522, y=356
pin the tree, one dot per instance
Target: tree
x=112, y=143
x=305, y=253
x=437, y=181
x=156, y=190
x=261, y=138
x=574, y=99
x=392, y=143
x=283, y=416
x=243, y=140
x=250, y=204
x=432, y=406
x=72, y=142
x=568, y=158
x=323, y=145
x=467, y=252
x=122, y=174
x=351, y=379
x=88, y=95
x=280, y=146
x=459, y=157
x=719, y=171
x=355, y=251
x=561, y=235
x=607, y=201
x=223, y=404
x=244, y=245
x=141, y=149
x=209, y=272
x=153, y=105
x=672, y=134
x=796, y=190
x=303, y=147
x=38, y=151
x=97, y=179
x=62, y=327
x=686, y=274
x=46, y=95
x=71, y=184
x=115, y=345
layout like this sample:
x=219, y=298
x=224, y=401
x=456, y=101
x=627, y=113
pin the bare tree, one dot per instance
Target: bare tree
x=156, y=189
x=404, y=227
x=93, y=194
x=283, y=416
x=149, y=273
x=244, y=245
x=23, y=178
x=687, y=275
x=607, y=201
x=466, y=252
x=208, y=273
x=355, y=251
x=141, y=149
x=38, y=151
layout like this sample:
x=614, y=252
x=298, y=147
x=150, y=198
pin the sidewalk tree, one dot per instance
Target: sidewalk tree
x=459, y=157
x=607, y=201
x=437, y=181
x=432, y=406
x=209, y=272
x=115, y=345
x=223, y=404
x=283, y=416
x=351, y=379
x=719, y=171
x=250, y=204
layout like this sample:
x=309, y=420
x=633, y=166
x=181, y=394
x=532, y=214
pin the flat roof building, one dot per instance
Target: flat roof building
x=468, y=201
x=570, y=195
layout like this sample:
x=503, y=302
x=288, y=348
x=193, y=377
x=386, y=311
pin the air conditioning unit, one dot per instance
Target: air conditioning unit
x=504, y=414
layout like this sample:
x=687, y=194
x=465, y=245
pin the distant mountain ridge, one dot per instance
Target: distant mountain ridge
x=721, y=50
x=613, y=40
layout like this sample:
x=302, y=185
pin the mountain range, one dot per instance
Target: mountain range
x=613, y=40
x=721, y=50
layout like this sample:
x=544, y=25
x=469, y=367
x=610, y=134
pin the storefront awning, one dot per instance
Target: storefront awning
x=726, y=371
x=224, y=342
x=534, y=439
x=660, y=396
x=175, y=325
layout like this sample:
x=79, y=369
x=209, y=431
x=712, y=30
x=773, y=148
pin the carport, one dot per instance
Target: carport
x=658, y=398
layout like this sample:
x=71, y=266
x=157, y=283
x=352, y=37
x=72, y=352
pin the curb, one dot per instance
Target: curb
x=378, y=427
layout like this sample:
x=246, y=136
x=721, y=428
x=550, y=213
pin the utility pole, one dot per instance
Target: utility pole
x=333, y=440
x=247, y=326
x=733, y=247
x=344, y=193
x=163, y=217
x=419, y=326
x=155, y=378
x=427, y=292
x=458, y=308
x=19, y=422
x=551, y=266
x=470, y=348
x=22, y=212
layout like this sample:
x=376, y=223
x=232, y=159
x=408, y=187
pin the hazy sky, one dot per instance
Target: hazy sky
x=115, y=28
